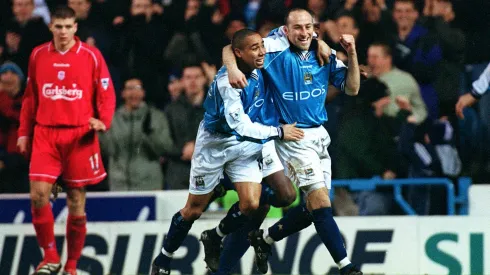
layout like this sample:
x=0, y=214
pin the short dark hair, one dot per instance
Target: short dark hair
x=240, y=36
x=286, y=17
x=349, y=15
x=63, y=12
x=407, y=1
x=383, y=45
x=192, y=62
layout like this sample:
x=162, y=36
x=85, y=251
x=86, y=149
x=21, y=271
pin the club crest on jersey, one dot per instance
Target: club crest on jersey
x=61, y=75
x=308, y=78
x=105, y=83
x=256, y=94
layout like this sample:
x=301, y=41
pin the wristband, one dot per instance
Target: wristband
x=475, y=94
x=280, y=130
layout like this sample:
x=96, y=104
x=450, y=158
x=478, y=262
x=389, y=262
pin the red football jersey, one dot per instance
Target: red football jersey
x=66, y=88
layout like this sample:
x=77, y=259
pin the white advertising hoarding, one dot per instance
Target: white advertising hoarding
x=391, y=245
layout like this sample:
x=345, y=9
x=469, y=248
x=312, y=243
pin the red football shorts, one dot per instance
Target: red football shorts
x=72, y=152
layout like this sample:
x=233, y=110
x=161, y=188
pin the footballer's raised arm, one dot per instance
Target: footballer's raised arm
x=353, y=81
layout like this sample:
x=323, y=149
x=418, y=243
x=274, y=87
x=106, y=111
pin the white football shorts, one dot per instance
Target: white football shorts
x=216, y=153
x=270, y=160
x=307, y=162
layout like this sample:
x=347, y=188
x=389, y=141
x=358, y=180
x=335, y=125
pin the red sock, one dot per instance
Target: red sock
x=75, y=236
x=43, y=221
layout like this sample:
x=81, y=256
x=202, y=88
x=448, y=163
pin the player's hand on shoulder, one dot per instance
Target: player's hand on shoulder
x=324, y=52
x=96, y=125
x=237, y=78
x=348, y=42
x=291, y=133
x=24, y=145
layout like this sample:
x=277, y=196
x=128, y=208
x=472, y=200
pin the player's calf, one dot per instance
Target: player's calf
x=326, y=227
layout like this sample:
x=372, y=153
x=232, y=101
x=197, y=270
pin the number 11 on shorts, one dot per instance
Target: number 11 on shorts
x=94, y=162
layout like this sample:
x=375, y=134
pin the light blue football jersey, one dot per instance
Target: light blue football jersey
x=297, y=83
x=238, y=112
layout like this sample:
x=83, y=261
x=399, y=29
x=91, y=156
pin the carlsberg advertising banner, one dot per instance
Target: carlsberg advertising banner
x=392, y=245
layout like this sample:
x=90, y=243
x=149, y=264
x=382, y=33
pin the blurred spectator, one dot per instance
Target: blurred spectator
x=250, y=13
x=346, y=24
x=174, y=87
x=319, y=9
x=188, y=40
x=375, y=24
x=399, y=83
x=368, y=147
x=139, y=135
x=255, y=12
x=265, y=27
x=231, y=24
x=439, y=19
x=22, y=33
x=474, y=18
x=41, y=9
x=90, y=25
x=139, y=47
x=184, y=116
x=417, y=51
x=14, y=168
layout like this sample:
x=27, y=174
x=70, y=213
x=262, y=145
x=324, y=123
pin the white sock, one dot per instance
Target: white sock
x=168, y=254
x=218, y=231
x=343, y=263
x=268, y=238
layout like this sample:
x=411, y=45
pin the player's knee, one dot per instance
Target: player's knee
x=248, y=206
x=317, y=197
x=75, y=204
x=39, y=197
x=191, y=213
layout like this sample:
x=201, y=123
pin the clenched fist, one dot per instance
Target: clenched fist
x=348, y=43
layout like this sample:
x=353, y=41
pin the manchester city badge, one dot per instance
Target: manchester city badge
x=308, y=78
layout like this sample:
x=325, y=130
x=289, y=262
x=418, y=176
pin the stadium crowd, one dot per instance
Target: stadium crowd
x=418, y=56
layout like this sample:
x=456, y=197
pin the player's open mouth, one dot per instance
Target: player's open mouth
x=259, y=61
x=303, y=40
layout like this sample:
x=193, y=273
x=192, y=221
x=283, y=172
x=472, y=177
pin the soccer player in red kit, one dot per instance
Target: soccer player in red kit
x=69, y=96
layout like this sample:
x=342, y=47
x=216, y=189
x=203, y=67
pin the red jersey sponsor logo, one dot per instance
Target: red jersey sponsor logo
x=55, y=92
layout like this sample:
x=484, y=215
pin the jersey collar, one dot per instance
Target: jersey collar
x=75, y=49
x=303, y=55
x=253, y=74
